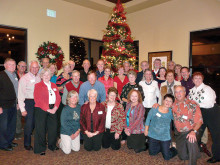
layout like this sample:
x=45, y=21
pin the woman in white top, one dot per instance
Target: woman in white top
x=205, y=96
x=151, y=91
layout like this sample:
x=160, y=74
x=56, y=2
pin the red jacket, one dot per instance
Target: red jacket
x=41, y=95
x=98, y=118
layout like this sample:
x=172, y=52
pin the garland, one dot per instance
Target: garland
x=52, y=51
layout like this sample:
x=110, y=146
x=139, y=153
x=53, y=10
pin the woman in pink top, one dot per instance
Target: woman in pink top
x=106, y=79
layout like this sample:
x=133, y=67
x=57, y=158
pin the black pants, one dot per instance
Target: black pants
x=146, y=113
x=136, y=141
x=108, y=140
x=211, y=119
x=44, y=121
x=59, y=111
x=93, y=143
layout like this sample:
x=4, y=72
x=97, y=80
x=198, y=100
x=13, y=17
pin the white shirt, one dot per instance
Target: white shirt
x=108, y=117
x=52, y=95
x=204, y=95
x=151, y=93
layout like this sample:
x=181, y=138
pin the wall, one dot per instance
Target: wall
x=168, y=26
x=71, y=20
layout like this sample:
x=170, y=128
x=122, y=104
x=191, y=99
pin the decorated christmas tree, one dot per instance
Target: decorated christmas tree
x=118, y=43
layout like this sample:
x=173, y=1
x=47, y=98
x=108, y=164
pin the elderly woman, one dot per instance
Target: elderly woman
x=178, y=75
x=70, y=126
x=47, y=100
x=114, y=124
x=92, y=121
x=134, y=126
x=151, y=91
x=157, y=128
x=168, y=86
x=161, y=76
x=53, y=70
x=106, y=79
x=205, y=96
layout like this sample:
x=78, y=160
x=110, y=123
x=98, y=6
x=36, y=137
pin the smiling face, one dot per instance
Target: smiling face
x=126, y=67
x=185, y=73
x=10, y=66
x=34, y=68
x=66, y=69
x=73, y=100
x=171, y=66
x=162, y=72
x=92, y=97
x=72, y=65
x=157, y=64
x=121, y=71
x=197, y=80
x=45, y=62
x=22, y=67
x=168, y=102
x=144, y=66
x=52, y=69
x=177, y=69
x=107, y=72
x=76, y=77
x=170, y=77
x=180, y=93
x=100, y=65
x=92, y=79
x=148, y=76
x=112, y=96
x=131, y=79
x=46, y=77
x=86, y=65
x=134, y=97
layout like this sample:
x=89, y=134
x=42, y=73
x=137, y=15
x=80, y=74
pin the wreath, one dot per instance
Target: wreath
x=52, y=51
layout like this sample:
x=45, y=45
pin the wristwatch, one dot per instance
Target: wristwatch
x=195, y=131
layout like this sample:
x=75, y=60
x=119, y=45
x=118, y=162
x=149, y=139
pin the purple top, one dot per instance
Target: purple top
x=187, y=84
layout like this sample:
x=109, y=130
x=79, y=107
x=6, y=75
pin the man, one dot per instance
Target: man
x=21, y=69
x=92, y=83
x=126, y=66
x=45, y=63
x=187, y=81
x=8, y=105
x=156, y=67
x=171, y=65
x=83, y=73
x=74, y=84
x=100, y=65
x=188, y=119
x=72, y=66
x=26, y=100
x=144, y=66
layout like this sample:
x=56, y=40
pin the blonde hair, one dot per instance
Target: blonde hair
x=54, y=66
x=44, y=71
x=71, y=94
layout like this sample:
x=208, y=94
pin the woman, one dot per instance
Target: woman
x=53, y=70
x=178, y=75
x=162, y=76
x=134, y=126
x=106, y=79
x=151, y=91
x=157, y=128
x=92, y=121
x=114, y=124
x=70, y=127
x=47, y=100
x=132, y=75
x=120, y=80
x=205, y=96
x=167, y=87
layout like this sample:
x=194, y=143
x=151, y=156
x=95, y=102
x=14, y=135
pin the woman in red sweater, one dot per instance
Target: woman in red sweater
x=47, y=100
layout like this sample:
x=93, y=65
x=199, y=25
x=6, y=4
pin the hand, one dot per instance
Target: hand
x=145, y=132
x=1, y=110
x=73, y=136
x=127, y=132
x=117, y=136
x=52, y=111
x=156, y=105
x=191, y=137
x=89, y=134
x=24, y=113
x=86, y=102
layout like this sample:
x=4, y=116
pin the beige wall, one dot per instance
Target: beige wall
x=71, y=20
x=168, y=26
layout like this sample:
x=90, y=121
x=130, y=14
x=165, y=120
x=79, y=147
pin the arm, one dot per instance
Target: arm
x=83, y=119
x=102, y=121
x=63, y=118
x=147, y=123
x=102, y=94
x=192, y=135
x=121, y=120
x=21, y=96
x=65, y=92
x=82, y=94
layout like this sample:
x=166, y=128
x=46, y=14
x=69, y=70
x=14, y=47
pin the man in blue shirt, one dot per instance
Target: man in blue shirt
x=92, y=83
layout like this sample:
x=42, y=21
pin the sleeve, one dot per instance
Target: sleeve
x=83, y=120
x=21, y=94
x=65, y=92
x=123, y=93
x=142, y=92
x=121, y=119
x=209, y=98
x=58, y=98
x=101, y=126
x=37, y=93
x=82, y=94
x=149, y=117
x=63, y=118
x=102, y=94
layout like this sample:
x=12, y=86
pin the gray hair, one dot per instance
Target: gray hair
x=71, y=94
x=44, y=71
x=33, y=62
x=127, y=63
x=92, y=91
x=177, y=86
x=21, y=62
x=75, y=71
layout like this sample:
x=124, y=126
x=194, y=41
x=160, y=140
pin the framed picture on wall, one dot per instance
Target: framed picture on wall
x=164, y=56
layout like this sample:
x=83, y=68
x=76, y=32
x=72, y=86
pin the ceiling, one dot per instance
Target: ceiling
x=106, y=6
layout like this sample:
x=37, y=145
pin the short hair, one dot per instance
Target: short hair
x=71, y=61
x=170, y=71
x=161, y=69
x=75, y=71
x=33, y=62
x=71, y=94
x=108, y=67
x=54, y=66
x=169, y=96
x=144, y=61
x=21, y=62
x=157, y=59
x=92, y=72
x=198, y=74
x=184, y=67
x=177, y=65
x=171, y=62
x=45, y=58
x=91, y=91
x=113, y=89
x=44, y=71
x=139, y=95
x=177, y=86
x=65, y=64
x=86, y=60
x=131, y=72
x=9, y=59
x=100, y=60
x=127, y=63
x=147, y=70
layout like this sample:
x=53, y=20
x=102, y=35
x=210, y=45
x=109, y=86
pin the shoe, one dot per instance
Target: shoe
x=81, y=141
x=212, y=160
x=205, y=149
x=42, y=153
x=14, y=144
x=29, y=148
x=139, y=150
x=7, y=149
x=54, y=149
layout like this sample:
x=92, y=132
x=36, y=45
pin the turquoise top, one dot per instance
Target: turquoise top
x=53, y=79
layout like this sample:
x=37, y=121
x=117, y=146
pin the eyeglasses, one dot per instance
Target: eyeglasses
x=22, y=66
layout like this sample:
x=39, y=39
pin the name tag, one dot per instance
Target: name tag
x=54, y=89
x=136, y=89
x=158, y=115
x=32, y=81
x=185, y=117
x=16, y=79
x=100, y=112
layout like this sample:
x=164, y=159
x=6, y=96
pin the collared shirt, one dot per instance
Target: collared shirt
x=188, y=84
x=14, y=80
x=186, y=114
x=204, y=95
x=108, y=117
x=52, y=95
x=151, y=93
x=100, y=74
x=26, y=88
x=107, y=83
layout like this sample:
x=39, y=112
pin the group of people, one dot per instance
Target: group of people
x=162, y=110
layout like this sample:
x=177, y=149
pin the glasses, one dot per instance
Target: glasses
x=22, y=66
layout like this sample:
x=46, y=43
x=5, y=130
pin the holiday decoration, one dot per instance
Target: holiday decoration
x=118, y=43
x=77, y=51
x=52, y=51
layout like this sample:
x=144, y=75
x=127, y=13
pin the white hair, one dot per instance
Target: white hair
x=33, y=62
x=92, y=91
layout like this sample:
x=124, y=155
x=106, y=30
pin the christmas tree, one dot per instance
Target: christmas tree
x=117, y=42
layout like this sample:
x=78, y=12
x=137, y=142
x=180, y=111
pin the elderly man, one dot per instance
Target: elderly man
x=8, y=105
x=74, y=84
x=45, y=63
x=26, y=100
x=100, y=65
x=156, y=67
x=21, y=70
x=171, y=65
x=126, y=66
x=92, y=83
x=187, y=81
x=83, y=73
x=144, y=66
x=188, y=119
x=72, y=66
